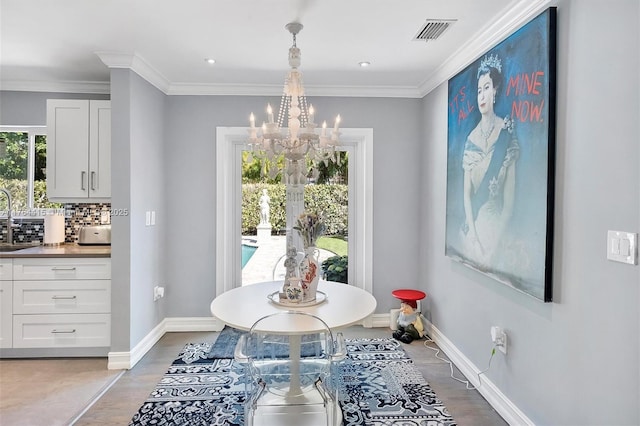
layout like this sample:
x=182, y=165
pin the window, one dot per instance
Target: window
x=23, y=170
x=327, y=193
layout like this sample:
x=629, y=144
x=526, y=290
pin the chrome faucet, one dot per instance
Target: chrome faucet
x=9, y=216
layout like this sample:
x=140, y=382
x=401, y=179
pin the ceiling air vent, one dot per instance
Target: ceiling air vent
x=433, y=28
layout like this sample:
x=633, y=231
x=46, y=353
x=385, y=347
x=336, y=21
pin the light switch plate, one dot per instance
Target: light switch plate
x=622, y=247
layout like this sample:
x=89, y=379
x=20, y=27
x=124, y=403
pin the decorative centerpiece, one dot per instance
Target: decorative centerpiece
x=301, y=279
x=310, y=226
x=293, y=290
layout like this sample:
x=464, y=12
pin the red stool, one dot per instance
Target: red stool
x=409, y=296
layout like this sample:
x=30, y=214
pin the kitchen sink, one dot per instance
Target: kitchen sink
x=15, y=247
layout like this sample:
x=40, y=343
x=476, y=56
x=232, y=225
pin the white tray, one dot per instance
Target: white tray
x=275, y=299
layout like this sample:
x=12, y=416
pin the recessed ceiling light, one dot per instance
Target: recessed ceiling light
x=210, y=61
x=364, y=64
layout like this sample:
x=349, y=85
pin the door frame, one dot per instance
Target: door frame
x=230, y=142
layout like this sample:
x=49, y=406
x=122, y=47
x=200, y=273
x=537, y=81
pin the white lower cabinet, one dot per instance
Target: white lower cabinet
x=58, y=303
x=61, y=330
x=62, y=297
x=61, y=268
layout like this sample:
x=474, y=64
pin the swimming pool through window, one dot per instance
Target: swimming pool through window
x=247, y=252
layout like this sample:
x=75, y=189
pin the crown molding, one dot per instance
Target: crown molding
x=137, y=64
x=276, y=90
x=365, y=91
x=185, y=89
x=509, y=21
x=96, y=87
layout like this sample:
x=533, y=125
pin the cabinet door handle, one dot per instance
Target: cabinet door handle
x=63, y=297
x=93, y=179
x=82, y=175
x=60, y=268
x=54, y=331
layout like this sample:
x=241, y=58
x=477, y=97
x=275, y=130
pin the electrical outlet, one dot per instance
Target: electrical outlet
x=105, y=218
x=158, y=293
x=499, y=338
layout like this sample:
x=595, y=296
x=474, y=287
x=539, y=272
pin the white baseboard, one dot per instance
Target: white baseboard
x=507, y=409
x=192, y=324
x=126, y=360
x=378, y=320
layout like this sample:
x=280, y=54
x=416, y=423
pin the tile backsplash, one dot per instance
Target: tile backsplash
x=79, y=215
x=76, y=216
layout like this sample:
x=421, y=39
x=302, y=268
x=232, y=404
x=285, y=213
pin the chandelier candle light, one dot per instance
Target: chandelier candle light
x=301, y=139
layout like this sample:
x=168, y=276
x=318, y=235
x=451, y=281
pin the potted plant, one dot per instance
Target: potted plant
x=335, y=268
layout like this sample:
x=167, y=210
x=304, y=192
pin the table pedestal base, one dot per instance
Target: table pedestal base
x=305, y=409
x=293, y=415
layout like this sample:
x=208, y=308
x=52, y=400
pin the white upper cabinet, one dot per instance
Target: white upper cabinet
x=78, y=150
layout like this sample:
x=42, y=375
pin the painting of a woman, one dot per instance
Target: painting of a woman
x=500, y=160
x=489, y=164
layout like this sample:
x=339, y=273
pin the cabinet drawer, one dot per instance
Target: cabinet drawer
x=62, y=296
x=62, y=269
x=61, y=330
x=5, y=314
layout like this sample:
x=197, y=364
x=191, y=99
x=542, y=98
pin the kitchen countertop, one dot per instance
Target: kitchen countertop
x=64, y=250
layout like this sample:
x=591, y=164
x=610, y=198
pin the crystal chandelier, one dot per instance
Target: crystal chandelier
x=301, y=139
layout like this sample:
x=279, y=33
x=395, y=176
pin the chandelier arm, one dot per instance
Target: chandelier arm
x=294, y=136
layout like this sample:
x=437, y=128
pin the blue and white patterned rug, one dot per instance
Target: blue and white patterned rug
x=378, y=386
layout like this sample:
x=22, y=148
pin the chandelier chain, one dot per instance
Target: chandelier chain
x=285, y=104
x=304, y=110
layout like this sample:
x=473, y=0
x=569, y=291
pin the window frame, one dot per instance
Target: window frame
x=230, y=142
x=33, y=131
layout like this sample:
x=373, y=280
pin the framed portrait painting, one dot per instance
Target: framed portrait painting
x=501, y=159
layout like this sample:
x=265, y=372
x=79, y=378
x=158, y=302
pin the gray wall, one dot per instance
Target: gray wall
x=138, y=112
x=147, y=194
x=120, y=200
x=190, y=179
x=30, y=108
x=574, y=361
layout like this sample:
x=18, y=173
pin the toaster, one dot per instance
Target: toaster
x=95, y=235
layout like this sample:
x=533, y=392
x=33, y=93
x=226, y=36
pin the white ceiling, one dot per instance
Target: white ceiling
x=63, y=45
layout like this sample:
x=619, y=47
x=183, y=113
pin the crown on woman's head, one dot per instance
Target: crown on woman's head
x=491, y=61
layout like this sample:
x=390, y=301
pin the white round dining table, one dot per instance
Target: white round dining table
x=343, y=305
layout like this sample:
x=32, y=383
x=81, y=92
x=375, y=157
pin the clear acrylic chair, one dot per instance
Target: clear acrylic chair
x=289, y=356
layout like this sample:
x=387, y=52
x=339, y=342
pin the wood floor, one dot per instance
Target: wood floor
x=120, y=401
